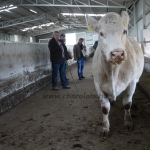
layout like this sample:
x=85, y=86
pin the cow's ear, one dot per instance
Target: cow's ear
x=125, y=18
x=92, y=23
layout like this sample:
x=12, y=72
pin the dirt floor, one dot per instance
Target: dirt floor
x=71, y=120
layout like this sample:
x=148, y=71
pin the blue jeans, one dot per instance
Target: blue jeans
x=66, y=73
x=80, y=62
x=61, y=68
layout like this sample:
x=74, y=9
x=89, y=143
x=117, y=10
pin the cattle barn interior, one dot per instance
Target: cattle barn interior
x=33, y=116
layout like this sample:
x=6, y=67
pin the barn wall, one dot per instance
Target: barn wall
x=146, y=46
x=24, y=69
x=139, y=23
x=21, y=38
x=80, y=35
x=88, y=38
x=147, y=64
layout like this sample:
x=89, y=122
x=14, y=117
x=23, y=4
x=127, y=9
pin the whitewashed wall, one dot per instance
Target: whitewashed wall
x=21, y=38
x=22, y=64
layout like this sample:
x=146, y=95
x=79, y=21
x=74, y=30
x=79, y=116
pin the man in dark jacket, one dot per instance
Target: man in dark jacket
x=67, y=56
x=57, y=57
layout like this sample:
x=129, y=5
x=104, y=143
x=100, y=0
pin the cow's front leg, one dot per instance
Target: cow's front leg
x=127, y=102
x=105, y=106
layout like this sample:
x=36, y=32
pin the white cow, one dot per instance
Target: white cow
x=117, y=64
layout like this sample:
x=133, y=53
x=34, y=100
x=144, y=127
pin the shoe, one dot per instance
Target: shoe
x=67, y=79
x=55, y=88
x=82, y=77
x=66, y=87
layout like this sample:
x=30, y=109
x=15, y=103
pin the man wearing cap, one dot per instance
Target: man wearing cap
x=57, y=56
x=78, y=56
x=67, y=56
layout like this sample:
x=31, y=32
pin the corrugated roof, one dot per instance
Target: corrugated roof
x=50, y=13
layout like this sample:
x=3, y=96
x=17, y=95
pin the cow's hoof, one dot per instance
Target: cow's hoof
x=128, y=128
x=104, y=134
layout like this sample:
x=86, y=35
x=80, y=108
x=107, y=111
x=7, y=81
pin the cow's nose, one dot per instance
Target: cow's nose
x=117, y=55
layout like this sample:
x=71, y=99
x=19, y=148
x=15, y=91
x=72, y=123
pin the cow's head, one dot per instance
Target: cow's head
x=112, y=31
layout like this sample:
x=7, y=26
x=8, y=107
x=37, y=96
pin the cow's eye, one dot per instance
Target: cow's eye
x=125, y=32
x=101, y=33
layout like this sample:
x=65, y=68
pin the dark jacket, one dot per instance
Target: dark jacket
x=55, y=51
x=67, y=56
x=95, y=45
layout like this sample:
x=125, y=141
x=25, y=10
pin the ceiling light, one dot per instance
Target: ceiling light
x=33, y=11
x=80, y=14
x=96, y=15
x=40, y=26
x=11, y=8
x=7, y=8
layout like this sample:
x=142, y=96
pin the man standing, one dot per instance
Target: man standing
x=95, y=45
x=67, y=56
x=78, y=56
x=57, y=57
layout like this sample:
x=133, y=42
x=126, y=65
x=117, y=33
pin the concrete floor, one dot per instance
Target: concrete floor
x=67, y=123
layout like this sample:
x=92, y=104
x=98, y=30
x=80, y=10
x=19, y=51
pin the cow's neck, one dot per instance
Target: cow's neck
x=113, y=77
x=112, y=73
x=110, y=69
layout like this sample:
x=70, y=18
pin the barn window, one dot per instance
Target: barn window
x=70, y=39
x=31, y=39
x=16, y=38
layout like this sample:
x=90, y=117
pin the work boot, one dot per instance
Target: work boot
x=66, y=87
x=55, y=88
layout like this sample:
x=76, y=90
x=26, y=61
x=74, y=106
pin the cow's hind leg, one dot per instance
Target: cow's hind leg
x=127, y=102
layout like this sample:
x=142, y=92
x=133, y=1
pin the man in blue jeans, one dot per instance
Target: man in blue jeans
x=67, y=56
x=57, y=57
x=78, y=56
